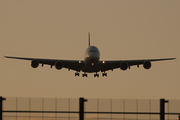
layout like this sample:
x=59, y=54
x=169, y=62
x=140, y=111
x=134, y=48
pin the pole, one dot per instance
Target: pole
x=1, y=106
x=81, y=108
x=162, y=108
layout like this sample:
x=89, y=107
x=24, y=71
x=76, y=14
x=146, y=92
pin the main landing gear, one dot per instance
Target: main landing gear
x=76, y=74
x=84, y=74
x=104, y=74
x=96, y=75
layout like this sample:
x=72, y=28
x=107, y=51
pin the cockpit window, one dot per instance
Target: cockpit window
x=92, y=51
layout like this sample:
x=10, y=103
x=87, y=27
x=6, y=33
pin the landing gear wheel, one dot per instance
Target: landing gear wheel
x=96, y=75
x=84, y=75
x=104, y=74
x=76, y=74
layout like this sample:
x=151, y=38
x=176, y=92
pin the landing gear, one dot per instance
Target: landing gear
x=96, y=75
x=84, y=74
x=77, y=74
x=104, y=74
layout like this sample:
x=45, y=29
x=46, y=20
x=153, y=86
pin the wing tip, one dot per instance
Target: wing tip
x=4, y=56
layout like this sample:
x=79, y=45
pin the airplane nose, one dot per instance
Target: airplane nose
x=94, y=59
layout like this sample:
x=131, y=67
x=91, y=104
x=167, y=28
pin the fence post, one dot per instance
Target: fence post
x=1, y=106
x=81, y=108
x=162, y=108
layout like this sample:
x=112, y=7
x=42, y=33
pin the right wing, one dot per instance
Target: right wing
x=124, y=64
x=76, y=65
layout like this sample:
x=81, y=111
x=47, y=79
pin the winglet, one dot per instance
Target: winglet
x=89, y=38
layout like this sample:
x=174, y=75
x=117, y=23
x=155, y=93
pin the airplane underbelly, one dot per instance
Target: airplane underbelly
x=93, y=67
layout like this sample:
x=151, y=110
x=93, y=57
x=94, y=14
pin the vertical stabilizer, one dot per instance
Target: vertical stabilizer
x=89, y=38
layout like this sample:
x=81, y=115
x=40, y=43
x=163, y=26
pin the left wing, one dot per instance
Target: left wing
x=124, y=64
x=76, y=65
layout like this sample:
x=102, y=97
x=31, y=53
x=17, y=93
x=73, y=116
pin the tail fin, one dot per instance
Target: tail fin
x=89, y=38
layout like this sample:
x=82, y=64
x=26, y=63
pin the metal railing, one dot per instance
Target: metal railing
x=95, y=109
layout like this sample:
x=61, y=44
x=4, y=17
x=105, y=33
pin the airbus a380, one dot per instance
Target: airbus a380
x=91, y=63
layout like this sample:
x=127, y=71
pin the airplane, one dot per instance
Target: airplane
x=91, y=63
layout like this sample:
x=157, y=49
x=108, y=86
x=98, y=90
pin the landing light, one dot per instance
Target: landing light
x=92, y=63
x=103, y=61
x=79, y=61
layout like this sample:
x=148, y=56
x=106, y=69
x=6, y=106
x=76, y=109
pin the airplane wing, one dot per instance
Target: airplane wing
x=124, y=64
x=76, y=65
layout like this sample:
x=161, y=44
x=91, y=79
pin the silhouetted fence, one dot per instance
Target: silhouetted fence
x=95, y=109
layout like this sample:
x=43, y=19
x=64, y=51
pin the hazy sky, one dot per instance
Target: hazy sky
x=121, y=29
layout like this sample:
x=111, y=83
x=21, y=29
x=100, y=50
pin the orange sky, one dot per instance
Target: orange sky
x=120, y=29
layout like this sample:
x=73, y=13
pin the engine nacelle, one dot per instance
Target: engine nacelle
x=124, y=66
x=147, y=64
x=58, y=65
x=34, y=63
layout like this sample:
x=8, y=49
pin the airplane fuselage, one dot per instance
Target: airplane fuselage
x=91, y=58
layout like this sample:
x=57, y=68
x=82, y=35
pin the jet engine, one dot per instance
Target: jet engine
x=34, y=63
x=58, y=65
x=124, y=66
x=147, y=64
